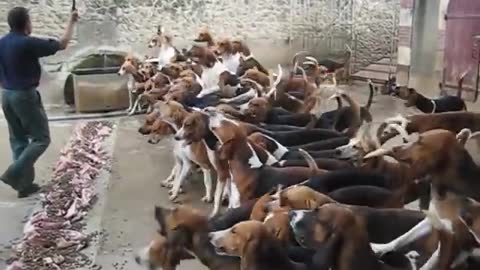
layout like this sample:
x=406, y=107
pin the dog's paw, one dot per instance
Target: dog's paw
x=224, y=100
x=173, y=197
x=164, y=184
x=381, y=249
x=207, y=199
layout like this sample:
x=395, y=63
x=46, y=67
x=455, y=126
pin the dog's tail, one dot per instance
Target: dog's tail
x=370, y=97
x=304, y=74
x=310, y=161
x=460, y=84
x=464, y=135
x=460, y=89
x=297, y=55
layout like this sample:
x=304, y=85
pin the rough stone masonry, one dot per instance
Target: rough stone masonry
x=322, y=26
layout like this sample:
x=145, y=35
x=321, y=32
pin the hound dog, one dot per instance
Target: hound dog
x=443, y=104
x=185, y=153
x=341, y=238
x=452, y=121
x=229, y=57
x=157, y=255
x=251, y=63
x=250, y=177
x=255, y=245
x=383, y=224
x=287, y=157
x=194, y=130
x=167, y=52
x=400, y=175
x=135, y=84
x=187, y=229
x=204, y=35
x=156, y=132
x=453, y=173
x=215, y=76
x=255, y=74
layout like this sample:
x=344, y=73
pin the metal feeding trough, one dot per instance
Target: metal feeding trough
x=93, y=84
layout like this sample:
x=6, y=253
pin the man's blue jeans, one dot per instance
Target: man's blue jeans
x=29, y=135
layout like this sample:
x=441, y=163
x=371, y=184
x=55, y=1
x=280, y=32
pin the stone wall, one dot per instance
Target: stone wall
x=274, y=29
x=318, y=25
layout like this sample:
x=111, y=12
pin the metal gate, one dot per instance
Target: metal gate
x=368, y=28
x=462, y=47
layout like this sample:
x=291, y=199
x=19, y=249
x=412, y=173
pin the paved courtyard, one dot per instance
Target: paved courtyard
x=133, y=189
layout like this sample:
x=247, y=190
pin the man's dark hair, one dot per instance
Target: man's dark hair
x=18, y=18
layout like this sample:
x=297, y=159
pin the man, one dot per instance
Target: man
x=21, y=103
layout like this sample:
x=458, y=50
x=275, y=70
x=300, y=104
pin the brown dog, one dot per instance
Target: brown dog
x=341, y=236
x=452, y=121
x=187, y=229
x=255, y=245
x=159, y=255
x=249, y=175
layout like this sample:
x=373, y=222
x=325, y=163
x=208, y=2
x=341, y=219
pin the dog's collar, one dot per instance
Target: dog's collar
x=434, y=106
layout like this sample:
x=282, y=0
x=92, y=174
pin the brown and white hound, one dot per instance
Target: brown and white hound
x=454, y=175
x=186, y=153
x=136, y=82
x=230, y=57
x=206, y=36
x=257, y=247
x=195, y=130
x=340, y=238
x=250, y=177
x=159, y=255
x=452, y=121
x=215, y=75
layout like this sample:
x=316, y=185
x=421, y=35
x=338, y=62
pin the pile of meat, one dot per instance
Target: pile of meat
x=53, y=236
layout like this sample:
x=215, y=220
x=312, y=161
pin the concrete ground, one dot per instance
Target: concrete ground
x=13, y=211
x=134, y=187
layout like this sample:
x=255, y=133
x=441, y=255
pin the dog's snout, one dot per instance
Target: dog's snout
x=144, y=130
x=177, y=138
x=138, y=260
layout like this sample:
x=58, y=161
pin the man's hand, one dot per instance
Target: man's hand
x=74, y=16
x=69, y=31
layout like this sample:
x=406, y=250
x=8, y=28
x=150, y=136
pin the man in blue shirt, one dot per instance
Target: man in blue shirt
x=21, y=103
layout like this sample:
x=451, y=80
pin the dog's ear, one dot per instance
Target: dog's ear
x=249, y=246
x=324, y=256
x=177, y=114
x=178, y=237
x=225, y=151
x=210, y=59
x=160, y=213
x=311, y=203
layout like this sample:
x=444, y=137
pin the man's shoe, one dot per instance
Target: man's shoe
x=34, y=188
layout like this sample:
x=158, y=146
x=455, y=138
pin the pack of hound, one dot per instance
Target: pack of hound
x=299, y=186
